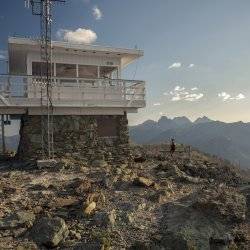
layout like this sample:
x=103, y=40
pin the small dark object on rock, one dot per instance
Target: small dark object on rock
x=139, y=159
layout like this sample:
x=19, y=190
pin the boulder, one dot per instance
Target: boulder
x=222, y=202
x=173, y=171
x=80, y=185
x=145, y=246
x=89, y=208
x=75, y=234
x=83, y=186
x=65, y=202
x=140, y=246
x=105, y=219
x=49, y=231
x=142, y=181
x=65, y=163
x=160, y=196
x=19, y=219
x=202, y=218
x=186, y=228
x=170, y=170
x=221, y=242
x=27, y=246
x=112, y=218
x=178, y=241
x=99, y=163
x=41, y=164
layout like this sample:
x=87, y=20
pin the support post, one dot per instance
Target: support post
x=189, y=153
x=3, y=135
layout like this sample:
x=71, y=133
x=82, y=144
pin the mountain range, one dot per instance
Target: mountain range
x=230, y=141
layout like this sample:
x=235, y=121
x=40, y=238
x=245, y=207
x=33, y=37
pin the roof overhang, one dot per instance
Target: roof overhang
x=25, y=45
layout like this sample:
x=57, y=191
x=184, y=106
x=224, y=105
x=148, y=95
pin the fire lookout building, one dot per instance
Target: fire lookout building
x=90, y=100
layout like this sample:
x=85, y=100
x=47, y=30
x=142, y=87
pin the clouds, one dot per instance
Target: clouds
x=80, y=35
x=175, y=65
x=97, y=13
x=240, y=96
x=157, y=104
x=178, y=88
x=224, y=96
x=181, y=94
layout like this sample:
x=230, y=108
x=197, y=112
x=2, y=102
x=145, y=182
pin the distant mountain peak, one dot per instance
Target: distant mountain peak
x=182, y=120
x=149, y=122
x=203, y=119
x=164, y=118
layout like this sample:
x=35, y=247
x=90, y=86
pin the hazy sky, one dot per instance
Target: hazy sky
x=197, y=53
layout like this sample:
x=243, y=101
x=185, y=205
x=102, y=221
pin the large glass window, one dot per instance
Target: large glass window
x=87, y=71
x=66, y=70
x=39, y=69
x=109, y=72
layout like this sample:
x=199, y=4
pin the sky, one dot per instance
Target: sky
x=196, y=53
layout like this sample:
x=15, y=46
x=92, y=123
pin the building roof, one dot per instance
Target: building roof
x=26, y=44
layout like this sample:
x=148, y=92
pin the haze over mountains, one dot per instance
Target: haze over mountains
x=227, y=140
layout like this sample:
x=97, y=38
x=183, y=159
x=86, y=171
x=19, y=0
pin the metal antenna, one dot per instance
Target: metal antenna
x=43, y=8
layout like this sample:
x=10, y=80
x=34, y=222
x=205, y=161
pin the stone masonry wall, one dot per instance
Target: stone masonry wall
x=76, y=136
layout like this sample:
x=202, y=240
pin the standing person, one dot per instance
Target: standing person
x=172, y=147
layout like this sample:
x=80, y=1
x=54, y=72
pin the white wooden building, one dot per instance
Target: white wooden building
x=86, y=80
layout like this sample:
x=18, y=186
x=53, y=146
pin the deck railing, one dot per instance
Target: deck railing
x=28, y=91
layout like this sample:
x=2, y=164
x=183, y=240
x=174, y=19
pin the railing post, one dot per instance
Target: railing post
x=124, y=90
x=104, y=90
x=8, y=86
x=3, y=135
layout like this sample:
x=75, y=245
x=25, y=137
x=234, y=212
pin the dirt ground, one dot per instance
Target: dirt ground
x=155, y=202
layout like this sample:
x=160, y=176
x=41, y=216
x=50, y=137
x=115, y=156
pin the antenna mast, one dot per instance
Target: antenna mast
x=43, y=8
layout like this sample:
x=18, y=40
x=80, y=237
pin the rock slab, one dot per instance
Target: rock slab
x=19, y=219
x=49, y=231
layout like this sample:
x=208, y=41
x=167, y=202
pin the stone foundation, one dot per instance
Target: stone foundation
x=79, y=137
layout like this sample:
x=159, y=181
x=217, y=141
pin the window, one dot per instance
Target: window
x=87, y=71
x=109, y=72
x=66, y=70
x=39, y=68
x=107, y=126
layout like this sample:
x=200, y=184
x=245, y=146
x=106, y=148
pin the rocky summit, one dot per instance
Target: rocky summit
x=183, y=202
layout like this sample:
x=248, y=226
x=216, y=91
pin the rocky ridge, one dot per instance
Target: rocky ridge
x=155, y=202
